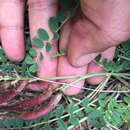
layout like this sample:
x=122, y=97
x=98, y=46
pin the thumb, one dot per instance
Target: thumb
x=85, y=42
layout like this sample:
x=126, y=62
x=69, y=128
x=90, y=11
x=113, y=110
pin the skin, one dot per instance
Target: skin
x=99, y=26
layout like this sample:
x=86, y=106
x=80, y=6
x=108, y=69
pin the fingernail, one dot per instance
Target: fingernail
x=85, y=59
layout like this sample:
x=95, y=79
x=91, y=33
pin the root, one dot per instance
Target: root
x=43, y=110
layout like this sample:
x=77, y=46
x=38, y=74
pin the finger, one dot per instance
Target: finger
x=11, y=28
x=39, y=13
x=83, y=43
x=65, y=35
x=96, y=29
x=94, y=68
x=66, y=69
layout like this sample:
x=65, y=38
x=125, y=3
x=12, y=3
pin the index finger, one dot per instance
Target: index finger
x=11, y=28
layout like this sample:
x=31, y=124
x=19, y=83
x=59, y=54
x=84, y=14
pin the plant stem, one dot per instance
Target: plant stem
x=8, y=78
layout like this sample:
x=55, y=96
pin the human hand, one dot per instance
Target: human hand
x=12, y=38
x=96, y=31
x=12, y=26
x=97, y=28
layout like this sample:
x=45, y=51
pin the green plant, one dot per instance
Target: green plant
x=102, y=107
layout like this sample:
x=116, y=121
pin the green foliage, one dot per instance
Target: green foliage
x=109, y=65
x=47, y=117
x=95, y=118
x=34, y=68
x=61, y=52
x=37, y=42
x=53, y=24
x=28, y=60
x=2, y=56
x=47, y=127
x=74, y=121
x=71, y=108
x=59, y=111
x=114, y=113
x=99, y=114
x=32, y=52
x=48, y=47
x=28, y=66
x=43, y=35
x=85, y=102
x=8, y=123
x=121, y=61
x=126, y=100
x=101, y=100
x=56, y=36
x=61, y=16
x=61, y=125
x=41, y=56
